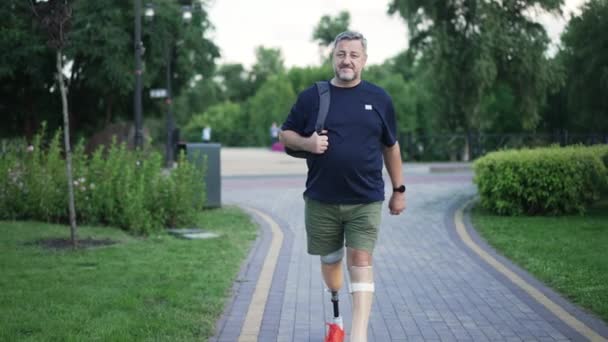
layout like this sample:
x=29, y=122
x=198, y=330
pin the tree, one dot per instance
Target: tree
x=271, y=103
x=54, y=17
x=27, y=69
x=197, y=99
x=225, y=119
x=269, y=61
x=304, y=77
x=328, y=28
x=235, y=82
x=470, y=47
x=584, y=56
x=100, y=58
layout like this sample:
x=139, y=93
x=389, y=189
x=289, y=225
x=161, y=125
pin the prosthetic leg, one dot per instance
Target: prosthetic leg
x=362, y=290
x=331, y=267
x=335, y=332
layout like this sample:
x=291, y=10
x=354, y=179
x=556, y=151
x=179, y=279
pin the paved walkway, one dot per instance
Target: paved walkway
x=430, y=285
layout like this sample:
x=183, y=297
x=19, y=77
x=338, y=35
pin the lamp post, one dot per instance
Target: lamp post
x=169, y=148
x=139, y=47
x=170, y=121
x=139, y=51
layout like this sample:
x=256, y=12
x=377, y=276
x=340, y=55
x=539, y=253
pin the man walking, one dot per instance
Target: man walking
x=344, y=187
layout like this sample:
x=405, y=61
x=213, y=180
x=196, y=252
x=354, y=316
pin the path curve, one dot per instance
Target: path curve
x=430, y=284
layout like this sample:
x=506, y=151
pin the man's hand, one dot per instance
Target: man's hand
x=316, y=143
x=396, y=204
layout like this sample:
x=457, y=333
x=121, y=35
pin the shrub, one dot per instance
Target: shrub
x=113, y=186
x=32, y=176
x=555, y=180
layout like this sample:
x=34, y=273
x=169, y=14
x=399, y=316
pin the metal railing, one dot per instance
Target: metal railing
x=465, y=147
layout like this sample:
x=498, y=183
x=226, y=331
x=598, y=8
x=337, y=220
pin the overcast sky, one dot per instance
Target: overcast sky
x=242, y=25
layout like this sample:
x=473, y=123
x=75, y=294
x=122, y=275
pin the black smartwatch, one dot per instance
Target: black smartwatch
x=400, y=189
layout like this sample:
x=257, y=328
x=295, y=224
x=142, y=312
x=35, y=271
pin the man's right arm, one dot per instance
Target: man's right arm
x=314, y=144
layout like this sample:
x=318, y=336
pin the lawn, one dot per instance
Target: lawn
x=567, y=253
x=154, y=288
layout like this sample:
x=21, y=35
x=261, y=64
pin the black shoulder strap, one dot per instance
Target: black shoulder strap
x=323, y=89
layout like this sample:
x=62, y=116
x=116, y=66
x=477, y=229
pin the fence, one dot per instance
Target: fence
x=464, y=147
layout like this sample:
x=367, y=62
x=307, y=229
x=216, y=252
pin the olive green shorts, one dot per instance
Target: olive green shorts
x=331, y=226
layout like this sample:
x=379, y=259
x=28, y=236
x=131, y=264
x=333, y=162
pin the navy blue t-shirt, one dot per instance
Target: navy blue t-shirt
x=360, y=122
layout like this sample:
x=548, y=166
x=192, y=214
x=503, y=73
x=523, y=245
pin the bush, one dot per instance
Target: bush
x=554, y=180
x=31, y=179
x=118, y=187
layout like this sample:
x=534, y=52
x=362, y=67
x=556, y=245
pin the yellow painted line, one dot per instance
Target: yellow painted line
x=253, y=319
x=557, y=310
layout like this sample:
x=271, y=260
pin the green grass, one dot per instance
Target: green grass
x=141, y=289
x=568, y=253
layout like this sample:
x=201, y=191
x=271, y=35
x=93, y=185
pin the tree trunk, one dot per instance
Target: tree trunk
x=109, y=103
x=68, y=150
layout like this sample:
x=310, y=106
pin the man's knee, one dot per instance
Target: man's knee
x=360, y=258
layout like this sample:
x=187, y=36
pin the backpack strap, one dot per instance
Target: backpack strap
x=323, y=90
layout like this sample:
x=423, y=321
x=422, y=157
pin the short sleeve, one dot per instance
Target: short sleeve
x=296, y=120
x=389, y=131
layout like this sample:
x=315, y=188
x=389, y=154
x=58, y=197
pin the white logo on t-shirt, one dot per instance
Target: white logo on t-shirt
x=368, y=107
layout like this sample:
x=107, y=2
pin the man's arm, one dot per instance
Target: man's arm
x=314, y=144
x=394, y=166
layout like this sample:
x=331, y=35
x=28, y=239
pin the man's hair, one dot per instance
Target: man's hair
x=350, y=35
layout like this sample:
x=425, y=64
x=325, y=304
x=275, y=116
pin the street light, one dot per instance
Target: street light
x=187, y=13
x=139, y=49
x=149, y=13
x=169, y=148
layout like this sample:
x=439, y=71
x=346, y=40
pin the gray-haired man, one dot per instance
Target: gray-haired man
x=344, y=187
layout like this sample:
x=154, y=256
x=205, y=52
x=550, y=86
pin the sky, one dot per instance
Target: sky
x=242, y=25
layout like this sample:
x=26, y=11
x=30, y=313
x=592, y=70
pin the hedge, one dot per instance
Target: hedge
x=543, y=181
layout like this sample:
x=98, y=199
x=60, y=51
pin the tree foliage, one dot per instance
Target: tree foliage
x=269, y=61
x=270, y=104
x=27, y=67
x=101, y=56
x=585, y=58
x=328, y=28
x=474, y=49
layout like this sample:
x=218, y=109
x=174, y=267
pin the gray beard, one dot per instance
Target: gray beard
x=345, y=78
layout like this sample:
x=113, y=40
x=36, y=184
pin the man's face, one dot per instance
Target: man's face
x=349, y=59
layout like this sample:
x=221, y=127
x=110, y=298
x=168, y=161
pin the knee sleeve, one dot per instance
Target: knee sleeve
x=362, y=288
x=361, y=279
x=333, y=257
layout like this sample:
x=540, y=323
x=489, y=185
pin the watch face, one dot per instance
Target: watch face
x=400, y=189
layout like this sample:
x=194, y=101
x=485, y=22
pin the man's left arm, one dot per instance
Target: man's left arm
x=394, y=166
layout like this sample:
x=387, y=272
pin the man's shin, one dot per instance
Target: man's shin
x=362, y=289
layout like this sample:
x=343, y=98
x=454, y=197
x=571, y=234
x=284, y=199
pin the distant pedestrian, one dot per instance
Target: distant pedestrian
x=274, y=133
x=206, y=134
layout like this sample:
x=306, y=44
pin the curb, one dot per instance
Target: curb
x=567, y=318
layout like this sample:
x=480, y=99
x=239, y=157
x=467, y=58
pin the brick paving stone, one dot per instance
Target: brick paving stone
x=428, y=286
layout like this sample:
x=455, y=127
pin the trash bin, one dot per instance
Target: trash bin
x=208, y=155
